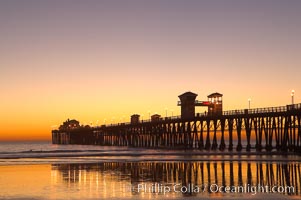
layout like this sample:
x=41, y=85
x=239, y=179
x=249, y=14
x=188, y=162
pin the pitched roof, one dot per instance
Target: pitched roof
x=216, y=94
x=188, y=94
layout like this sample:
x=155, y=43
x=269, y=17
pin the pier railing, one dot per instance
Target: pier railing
x=271, y=128
x=276, y=109
x=264, y=110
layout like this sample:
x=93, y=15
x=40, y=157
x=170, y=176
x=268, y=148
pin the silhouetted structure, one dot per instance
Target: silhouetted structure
x=188, y=103
x=216, y=104
x=271, y=128
x=155, y=118
x=135, y=119
x=69, y=125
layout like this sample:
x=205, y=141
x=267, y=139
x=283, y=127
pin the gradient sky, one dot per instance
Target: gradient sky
x=105, y=60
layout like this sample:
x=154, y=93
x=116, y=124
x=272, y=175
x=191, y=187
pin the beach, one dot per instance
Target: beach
x=94, y=172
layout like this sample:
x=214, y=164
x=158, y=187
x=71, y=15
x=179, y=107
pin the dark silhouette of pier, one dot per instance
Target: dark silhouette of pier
x=268, y=129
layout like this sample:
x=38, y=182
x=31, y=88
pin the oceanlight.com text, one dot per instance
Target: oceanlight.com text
x=212, y=188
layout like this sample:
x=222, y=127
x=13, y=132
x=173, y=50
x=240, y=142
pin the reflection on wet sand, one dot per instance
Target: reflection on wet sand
x=128, y=179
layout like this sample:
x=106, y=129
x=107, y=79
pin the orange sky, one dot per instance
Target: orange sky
x=105, y=61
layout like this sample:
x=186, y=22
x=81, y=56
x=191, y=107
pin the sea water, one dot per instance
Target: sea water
x=41, y=170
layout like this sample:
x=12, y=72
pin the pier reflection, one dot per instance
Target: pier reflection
x=127, y=179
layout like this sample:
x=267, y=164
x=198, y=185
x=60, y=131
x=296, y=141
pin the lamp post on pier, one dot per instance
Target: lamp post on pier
x=249, y=100
x=293, y=94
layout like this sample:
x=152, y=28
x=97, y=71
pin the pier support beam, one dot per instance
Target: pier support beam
x=222, y=145
x=208, y=144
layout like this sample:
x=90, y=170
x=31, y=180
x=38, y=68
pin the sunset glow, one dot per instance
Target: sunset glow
x=102, y=61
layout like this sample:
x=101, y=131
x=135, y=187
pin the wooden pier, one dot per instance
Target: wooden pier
x=262, y=129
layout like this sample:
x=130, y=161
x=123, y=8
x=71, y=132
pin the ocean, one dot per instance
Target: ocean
x=41, y=170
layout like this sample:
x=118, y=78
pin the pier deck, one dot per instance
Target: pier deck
x=272, y=128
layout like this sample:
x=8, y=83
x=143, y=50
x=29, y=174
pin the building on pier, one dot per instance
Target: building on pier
x=268, y=129
x=70, y=124
x=216, y=104
x=188, y=103
x=135, y=119
x=155, y=117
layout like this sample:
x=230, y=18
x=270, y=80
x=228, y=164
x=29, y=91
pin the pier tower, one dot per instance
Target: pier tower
x=216, y=104
x=187, y=103
x=135, y=119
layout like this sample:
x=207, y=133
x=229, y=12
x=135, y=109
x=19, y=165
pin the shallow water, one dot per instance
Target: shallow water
x=45, y=152
x=46, y=171
x=151, y=180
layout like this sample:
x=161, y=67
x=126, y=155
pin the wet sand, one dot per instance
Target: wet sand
x=111, y=180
